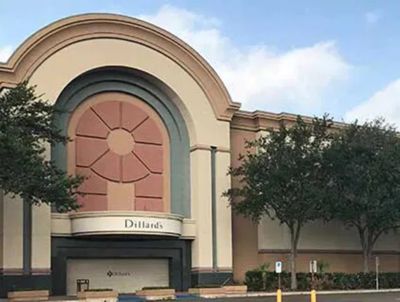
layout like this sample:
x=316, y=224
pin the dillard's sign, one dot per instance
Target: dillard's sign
x=140, y=224
x=134, y=224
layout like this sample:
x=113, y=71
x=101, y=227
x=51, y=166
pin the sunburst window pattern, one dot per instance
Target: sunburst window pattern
x=120, y=149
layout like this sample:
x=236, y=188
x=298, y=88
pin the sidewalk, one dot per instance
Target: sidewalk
x=187, y=297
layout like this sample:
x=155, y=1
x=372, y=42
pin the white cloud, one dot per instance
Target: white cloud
x=384, y=103
x=257, y=76
x=372, y=17
x=5, y=53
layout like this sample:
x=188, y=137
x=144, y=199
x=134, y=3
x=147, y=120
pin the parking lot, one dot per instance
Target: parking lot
x=369, y=297
x=341, y=297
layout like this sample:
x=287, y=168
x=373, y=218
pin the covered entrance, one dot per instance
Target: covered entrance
x=123, y=264
x=122, y=275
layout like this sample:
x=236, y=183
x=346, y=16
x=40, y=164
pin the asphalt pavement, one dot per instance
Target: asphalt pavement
x=349, y=297
x=367, y=297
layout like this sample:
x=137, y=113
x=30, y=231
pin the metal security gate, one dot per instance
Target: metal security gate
x=122, y=275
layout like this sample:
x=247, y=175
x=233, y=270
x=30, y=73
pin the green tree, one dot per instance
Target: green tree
x=281, y=176
x=364, y=185
x=26, y=128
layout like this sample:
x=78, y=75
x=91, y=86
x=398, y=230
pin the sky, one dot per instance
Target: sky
x=309, y=57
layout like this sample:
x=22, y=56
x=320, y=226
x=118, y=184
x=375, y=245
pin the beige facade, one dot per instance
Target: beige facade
x=75, y=46
x=207, y=240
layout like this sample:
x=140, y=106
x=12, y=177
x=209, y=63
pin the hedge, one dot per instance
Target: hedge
x=325, y=281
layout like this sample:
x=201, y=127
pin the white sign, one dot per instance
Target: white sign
x=313, y=266
x=278, y=267
x=135, y=223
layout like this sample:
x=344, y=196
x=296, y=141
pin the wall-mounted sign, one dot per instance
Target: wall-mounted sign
x=119, y=223
x=143, y=224
x=278, y=267
x=111, y=273
x=313, y=266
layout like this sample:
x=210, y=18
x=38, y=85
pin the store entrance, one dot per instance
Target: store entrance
x=124, y=264
x=123, y=275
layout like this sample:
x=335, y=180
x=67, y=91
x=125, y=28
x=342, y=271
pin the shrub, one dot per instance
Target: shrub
x=323, y=266
x=258, y=281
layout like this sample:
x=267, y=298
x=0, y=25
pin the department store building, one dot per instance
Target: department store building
x=154, y=130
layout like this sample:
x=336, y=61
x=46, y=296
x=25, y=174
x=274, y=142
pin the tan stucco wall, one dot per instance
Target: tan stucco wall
x=60, y=224
x=11, y=233
x=319, y=235
x=244, y=232
x=202, y=251
x=41, y=239
x=200, y=165
x=224, y=217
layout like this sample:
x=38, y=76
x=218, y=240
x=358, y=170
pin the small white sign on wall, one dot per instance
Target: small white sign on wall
x=313, y=266
x=278, y=267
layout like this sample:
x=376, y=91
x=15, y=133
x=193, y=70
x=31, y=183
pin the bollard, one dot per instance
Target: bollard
x=313, y=296
x=278, y=295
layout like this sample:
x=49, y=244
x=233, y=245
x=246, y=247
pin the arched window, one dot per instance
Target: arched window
x=121, y=146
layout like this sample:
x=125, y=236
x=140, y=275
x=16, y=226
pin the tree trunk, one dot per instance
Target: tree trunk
x=365, y=247
x=294, y=239
x=366, y=257
x=27, y=237
x=365, y=261
x=368, y=240
x=293, y=256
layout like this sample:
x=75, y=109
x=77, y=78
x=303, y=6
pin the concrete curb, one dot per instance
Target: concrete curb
x=305, y=293
x=359, y=291
x=273, y=294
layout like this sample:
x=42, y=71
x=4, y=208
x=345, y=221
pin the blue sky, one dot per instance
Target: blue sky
x=306, y=57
